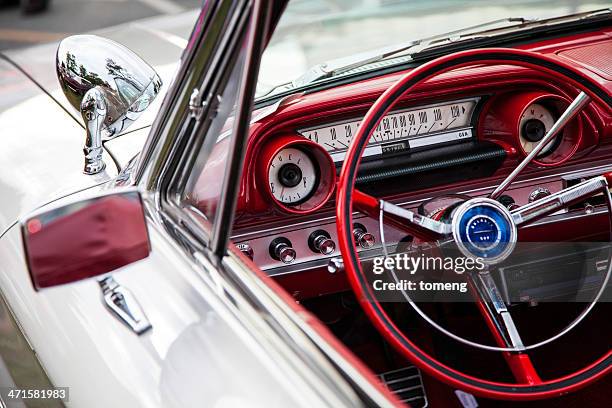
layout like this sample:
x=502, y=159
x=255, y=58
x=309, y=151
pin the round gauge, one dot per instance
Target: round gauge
x=535, y=122
x=520, y=120
x=296, y=174
x=292, y=176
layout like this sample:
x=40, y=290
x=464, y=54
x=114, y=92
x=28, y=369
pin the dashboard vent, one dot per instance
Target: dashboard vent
x=596, y=58
x=407, y=384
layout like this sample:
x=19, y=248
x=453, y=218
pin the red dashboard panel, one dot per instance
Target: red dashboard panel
x=506, y=90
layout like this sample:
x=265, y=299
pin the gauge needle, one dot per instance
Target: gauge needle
x=450, y=123
x=343, y=144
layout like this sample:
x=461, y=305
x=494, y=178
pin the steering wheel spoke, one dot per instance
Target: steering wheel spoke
x=406, y=220
x=534, y=211
x=501, y=324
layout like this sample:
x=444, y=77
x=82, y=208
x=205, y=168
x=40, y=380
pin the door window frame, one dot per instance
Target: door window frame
x=222, y=30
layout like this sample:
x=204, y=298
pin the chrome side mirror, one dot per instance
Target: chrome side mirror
x=109, y=84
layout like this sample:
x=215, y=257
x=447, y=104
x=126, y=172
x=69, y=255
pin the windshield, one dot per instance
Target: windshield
x=312, y=32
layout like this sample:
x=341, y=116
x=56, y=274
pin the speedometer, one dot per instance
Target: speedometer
x=401, y=130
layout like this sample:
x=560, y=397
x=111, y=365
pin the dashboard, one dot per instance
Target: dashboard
x=402, y=130
x=298, y=168
x=458, y=134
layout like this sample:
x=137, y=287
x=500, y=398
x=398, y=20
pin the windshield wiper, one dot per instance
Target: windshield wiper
x=341, y=65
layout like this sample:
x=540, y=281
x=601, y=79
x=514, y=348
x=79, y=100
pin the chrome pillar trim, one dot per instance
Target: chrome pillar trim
x=93, y=110
x=124, y=305
x=255, y=45
x=198, y=65
x=572, y=110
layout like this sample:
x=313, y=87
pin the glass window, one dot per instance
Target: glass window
x=311, y=32
x=204, y=186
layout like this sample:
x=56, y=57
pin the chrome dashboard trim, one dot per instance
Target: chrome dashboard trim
x=329, y=222
x=377, y=251
x=243, y=236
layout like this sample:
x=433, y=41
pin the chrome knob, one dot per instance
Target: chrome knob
x=246, y=249
x=538, y=194
x=362, y=237
x=335, y=265
x=286, y=254
x=320, y=241
x=281, y=250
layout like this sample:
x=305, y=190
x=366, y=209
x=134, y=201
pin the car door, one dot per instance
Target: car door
x=208, y=341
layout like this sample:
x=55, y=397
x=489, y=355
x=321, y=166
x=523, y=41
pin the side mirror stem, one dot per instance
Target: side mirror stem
x=93, y=110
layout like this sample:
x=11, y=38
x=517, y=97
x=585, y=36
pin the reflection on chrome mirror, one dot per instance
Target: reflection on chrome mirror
x=109, y=84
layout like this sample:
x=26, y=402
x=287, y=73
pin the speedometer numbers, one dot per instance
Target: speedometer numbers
x=412, y=128
x=292, y=176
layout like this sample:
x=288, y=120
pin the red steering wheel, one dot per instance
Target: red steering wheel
x=529, y=385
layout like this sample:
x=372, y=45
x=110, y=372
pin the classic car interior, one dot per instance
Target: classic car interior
x=310, y=214
x=483, y=156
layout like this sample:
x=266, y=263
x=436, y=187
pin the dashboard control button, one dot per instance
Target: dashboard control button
x=507, y=202
x=335, y=265
x=362, y=237
x=538, y=194
x=281, y=250
x=320, y=241
x=246, y=249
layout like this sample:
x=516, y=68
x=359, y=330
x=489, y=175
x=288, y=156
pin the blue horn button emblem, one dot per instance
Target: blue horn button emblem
x=483, y=228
